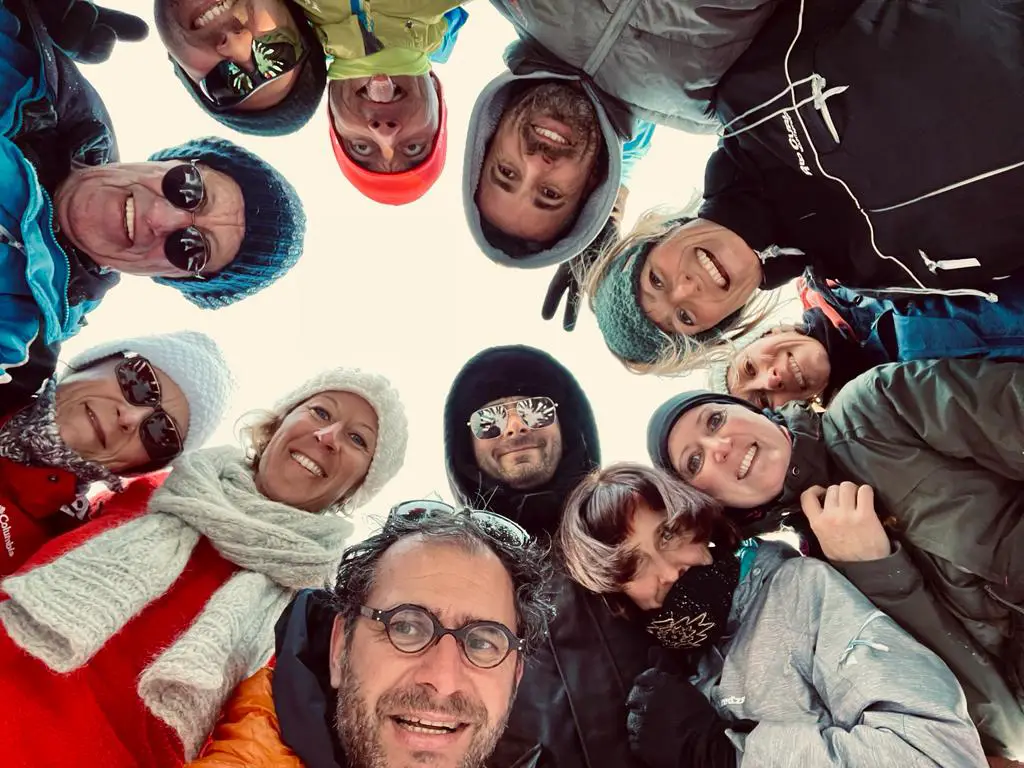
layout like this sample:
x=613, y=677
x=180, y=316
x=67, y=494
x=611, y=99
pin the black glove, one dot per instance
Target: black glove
x=87, y=32
x=567, y=277
x=671, y=724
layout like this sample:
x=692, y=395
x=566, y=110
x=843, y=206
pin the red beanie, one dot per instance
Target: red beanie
x=402, y=187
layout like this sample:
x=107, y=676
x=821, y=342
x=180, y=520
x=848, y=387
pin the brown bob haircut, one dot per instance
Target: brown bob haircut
x=598, y=518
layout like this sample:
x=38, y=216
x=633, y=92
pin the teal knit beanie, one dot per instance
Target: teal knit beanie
x=275, y=224
x=627, y=330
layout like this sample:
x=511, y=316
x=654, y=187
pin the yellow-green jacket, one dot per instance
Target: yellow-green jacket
x=368, y=37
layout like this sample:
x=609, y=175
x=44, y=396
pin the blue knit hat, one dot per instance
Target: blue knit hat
x=275, y=224
x=294, y=111
x=629, y=333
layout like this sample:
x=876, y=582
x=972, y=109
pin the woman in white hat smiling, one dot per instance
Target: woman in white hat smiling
x=133, y=630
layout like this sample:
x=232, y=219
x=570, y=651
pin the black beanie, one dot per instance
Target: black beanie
x=668, y=413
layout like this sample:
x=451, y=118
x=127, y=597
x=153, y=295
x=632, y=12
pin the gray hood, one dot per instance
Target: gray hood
x=484, y=122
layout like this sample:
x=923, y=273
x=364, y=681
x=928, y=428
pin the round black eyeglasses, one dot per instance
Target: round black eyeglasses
x=412, y=629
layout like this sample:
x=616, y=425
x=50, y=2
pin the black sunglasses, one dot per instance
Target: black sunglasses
x=274, y=54
x=412, y=629
x=141, y=387
x=490, y=421
x=498, y=527
x=187, y=248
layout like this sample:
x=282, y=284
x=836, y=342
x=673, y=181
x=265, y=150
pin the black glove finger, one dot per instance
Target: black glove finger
x=71, y=31
x=572, y=305
x=126, y=26
x=98, y=46
x=558, y=285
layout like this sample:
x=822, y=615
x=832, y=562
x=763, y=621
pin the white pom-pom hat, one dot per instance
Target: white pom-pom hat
x=192, y=360
x=393, y=427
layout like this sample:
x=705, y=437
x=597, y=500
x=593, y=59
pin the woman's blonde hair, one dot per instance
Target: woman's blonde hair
x=255, y=430
x=679, y=354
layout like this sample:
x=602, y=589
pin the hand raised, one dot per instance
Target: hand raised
x=844, y=520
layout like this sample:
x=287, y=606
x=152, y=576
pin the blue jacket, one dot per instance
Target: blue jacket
x=50, y=121
x=893, y=328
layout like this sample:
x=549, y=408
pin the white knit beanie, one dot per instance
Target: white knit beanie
x=192, y=360
x=718, y=377
x=393, y=432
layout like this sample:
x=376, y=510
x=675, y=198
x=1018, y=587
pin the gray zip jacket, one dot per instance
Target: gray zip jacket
x=826, y=679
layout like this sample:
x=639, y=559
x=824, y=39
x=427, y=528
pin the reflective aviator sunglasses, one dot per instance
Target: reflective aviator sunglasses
x=490, y=421
x=140, y=386
x=498, y=527
x=188, y=248
x=227, y=85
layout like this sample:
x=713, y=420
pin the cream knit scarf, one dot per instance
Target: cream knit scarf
x=65, y=611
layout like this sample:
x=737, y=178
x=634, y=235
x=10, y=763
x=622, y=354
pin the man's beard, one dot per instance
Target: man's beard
x=565, y=104
x=524, y=477
x=359, y=730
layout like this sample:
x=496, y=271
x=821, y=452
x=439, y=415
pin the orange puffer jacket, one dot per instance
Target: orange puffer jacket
x=248, y=734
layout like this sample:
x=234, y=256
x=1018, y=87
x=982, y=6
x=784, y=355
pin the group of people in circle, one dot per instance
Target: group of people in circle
x=633, y=614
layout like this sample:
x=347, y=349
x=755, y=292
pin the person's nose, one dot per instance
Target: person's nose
x=719, y=448
x=236, y=45
x=683, y=288
x=329, y=437
x=515, y=424
x=129, y=417
x=442, y=667
x=162, y=218
x=668, y=573
x=386, y=134
x=768, y=378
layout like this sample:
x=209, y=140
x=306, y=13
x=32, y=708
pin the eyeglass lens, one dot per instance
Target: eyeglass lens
x=187, y=248
x=413, y=629
x=140, y=386
x=490, y=422
x=227, y=83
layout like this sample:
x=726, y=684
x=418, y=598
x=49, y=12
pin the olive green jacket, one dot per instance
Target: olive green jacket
x=942, y=444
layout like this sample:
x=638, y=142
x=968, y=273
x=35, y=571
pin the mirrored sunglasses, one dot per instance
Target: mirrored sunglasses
x=498, y=527
x=490, y=422
x=274, y=54
x=187, y=248
x=141, y=387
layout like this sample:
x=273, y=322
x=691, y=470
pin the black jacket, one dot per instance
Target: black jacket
x=926, y=106
x=303, y=697
x=67, y=129
x=570, y=709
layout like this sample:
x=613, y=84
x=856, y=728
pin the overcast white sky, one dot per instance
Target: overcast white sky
x=399, y=290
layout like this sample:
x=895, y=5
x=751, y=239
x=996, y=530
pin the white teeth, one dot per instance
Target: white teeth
x=747, y=461
x=709, y=266
x=797, y=373
x=426, y=726
x=222, y=7
x=129, y=218
x=548, y=134
x=307, y=463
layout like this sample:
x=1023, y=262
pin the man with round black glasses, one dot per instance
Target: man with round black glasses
x=519, y=435
x=413, y=658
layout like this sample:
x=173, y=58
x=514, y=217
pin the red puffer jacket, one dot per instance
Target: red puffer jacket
x=93, y=716
x=30, y=509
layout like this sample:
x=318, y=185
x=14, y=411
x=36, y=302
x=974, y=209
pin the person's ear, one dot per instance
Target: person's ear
x=519, y=670
x=337, y=649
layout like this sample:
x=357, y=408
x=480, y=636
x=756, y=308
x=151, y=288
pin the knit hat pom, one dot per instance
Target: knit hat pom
x=275, y=224
x=393, y=427
x=192, y=360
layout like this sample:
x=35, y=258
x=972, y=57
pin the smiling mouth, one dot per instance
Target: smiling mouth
x=423, y=725
x=714, y=268
x=747, y=461
x=96, y=426
x=308, y=464
x=797, y=373
x=553, y=137
x=212, y=13
x=129, y=218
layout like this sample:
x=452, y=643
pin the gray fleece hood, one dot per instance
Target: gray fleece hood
x=483, y=122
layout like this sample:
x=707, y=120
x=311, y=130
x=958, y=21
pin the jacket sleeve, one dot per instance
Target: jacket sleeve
x=941, y=443
x=247, y=735
x=884, y=699
x=896, y=586
x=635, y=149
